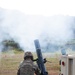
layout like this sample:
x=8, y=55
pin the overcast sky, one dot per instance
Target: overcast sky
x=41, y=7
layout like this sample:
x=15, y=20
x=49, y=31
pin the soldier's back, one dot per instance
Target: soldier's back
x=26, y=68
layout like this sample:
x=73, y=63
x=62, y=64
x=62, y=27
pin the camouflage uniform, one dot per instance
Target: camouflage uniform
x=27, y=67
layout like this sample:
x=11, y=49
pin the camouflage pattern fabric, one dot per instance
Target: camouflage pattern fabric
x=27, y=68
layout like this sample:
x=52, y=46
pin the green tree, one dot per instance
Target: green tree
x=10, y=44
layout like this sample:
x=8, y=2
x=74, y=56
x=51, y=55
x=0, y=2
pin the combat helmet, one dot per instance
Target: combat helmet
x=28, y=55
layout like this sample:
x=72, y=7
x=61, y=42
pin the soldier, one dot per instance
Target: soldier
x=27, y=67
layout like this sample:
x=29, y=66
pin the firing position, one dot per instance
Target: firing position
x=27, y=67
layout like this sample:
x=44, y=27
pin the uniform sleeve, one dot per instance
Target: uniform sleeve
x=37, y=70
x=18, y=72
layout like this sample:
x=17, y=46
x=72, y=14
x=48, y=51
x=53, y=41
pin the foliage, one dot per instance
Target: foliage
x=10, y=45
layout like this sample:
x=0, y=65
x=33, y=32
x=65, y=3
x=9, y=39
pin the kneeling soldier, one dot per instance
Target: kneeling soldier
x=27, y=67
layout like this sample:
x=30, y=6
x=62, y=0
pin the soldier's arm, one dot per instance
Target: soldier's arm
x=18, y=72
x=37, y=70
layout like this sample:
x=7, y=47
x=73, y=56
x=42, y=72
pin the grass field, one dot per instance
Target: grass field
x=9, y=64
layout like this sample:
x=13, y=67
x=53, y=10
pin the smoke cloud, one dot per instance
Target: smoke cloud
x=24, y=29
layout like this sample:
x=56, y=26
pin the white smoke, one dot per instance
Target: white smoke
x=58, y=28
x=24, y=29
